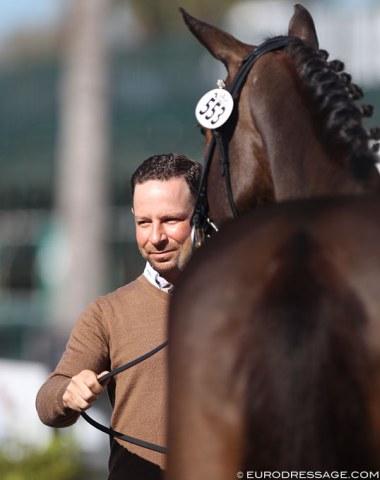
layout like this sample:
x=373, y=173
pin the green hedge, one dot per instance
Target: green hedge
x=61, y=460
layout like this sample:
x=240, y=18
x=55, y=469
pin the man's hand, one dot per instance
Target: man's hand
x=83, y=390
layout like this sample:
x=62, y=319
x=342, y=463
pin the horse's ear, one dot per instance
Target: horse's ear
x=220, y=44
x=302, y=26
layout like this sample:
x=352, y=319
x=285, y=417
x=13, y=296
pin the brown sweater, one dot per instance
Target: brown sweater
x=114, y=330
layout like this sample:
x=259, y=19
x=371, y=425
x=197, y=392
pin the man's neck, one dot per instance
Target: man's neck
x=156, y=279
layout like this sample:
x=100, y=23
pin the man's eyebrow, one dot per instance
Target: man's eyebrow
x=175, y=214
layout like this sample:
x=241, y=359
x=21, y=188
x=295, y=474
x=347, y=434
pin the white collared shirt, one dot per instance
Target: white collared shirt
x=155, y=279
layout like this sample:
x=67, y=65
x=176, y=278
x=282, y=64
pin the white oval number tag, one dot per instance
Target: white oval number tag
x=214, y=108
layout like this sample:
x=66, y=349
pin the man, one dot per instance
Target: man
x=129, y=322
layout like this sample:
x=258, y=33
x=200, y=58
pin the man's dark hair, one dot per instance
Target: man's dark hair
x=167, y=166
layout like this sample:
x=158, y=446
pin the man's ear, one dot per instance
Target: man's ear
x=133, y=212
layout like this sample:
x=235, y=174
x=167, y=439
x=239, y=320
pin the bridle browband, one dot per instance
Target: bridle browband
x=202, y=225
x=114, y=433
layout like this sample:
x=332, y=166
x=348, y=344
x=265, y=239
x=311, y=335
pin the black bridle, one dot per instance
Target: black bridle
x=114, y=433
x=202, y=225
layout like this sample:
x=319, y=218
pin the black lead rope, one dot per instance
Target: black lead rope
x=114, y=433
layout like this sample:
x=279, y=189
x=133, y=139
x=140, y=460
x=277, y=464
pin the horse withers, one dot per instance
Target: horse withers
x=275, y=344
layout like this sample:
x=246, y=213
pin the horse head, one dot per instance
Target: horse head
x=295, y=130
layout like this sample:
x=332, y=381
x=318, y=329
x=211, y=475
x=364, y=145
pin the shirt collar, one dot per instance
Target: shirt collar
x=155, y=278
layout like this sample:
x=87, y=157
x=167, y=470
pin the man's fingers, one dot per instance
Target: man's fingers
x=102, y=375
x=78, y=404
x=82, y=391
x=87, y=383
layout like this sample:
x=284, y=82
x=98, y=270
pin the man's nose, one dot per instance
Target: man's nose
x=157, y=234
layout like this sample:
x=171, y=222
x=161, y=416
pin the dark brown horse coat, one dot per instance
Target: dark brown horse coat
x=275, y=344
x=275, y=323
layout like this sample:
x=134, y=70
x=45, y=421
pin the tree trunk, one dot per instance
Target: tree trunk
x=82, y=174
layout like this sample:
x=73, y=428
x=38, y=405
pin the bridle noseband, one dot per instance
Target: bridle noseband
x=202, y=225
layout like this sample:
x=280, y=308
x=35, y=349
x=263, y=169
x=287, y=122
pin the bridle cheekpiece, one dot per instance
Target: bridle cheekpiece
x=202, y=224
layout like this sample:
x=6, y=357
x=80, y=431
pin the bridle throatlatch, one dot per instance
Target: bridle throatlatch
x=202, y=224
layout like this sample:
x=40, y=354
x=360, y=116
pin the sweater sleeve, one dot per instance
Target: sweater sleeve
x=87, y=349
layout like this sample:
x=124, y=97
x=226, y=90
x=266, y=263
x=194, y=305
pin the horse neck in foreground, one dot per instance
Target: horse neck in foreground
x=274, y=360
x=295, y=130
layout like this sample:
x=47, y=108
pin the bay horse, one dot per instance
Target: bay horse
x=274, y=358
x=274, y=353
x=296, y=129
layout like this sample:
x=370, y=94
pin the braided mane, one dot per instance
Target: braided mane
x=333, y=96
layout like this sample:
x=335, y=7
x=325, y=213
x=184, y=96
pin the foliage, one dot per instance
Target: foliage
x=59, y=461
x=160, y=16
